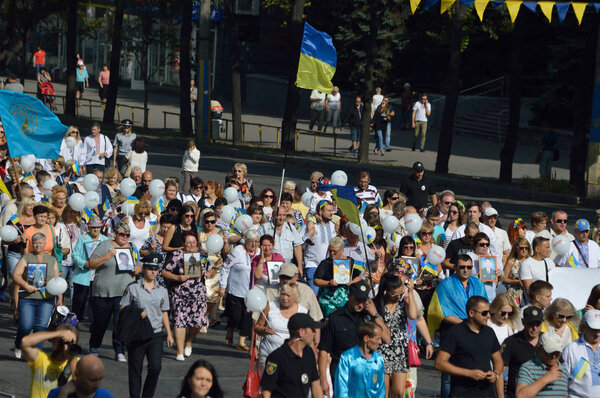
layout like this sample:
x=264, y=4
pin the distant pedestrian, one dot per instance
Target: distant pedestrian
x=189, y=166
x=103, y=81
x=333, y=105
x=193, y=95
x=381, y=118
x=13, y=85
x=82, y=82
x=39, y=59
x=546, y=150
x=122, y=146
x=388, y=130
x=317, y=109
x=376, y=100
x=421, y=111
x=354, y=121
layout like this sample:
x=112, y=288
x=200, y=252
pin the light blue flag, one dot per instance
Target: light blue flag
x=30, y=127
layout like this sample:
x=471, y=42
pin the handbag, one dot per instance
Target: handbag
x=251, y=386
x=413, y=351
x=57, y=251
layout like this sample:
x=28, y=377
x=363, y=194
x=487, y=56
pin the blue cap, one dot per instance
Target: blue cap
x=582, y=225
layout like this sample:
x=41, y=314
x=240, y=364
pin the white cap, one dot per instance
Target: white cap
x=551, y=343
x=592, y=319
x=544, y=234
x=490, y=211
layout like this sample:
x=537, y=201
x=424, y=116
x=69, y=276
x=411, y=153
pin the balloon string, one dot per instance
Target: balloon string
x=261, y=311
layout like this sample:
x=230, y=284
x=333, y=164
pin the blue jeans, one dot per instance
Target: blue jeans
x=379, y=145
x=67, y=274
x=355, y=134
x=388, y=135
x=33, y=315
x=310, y=274
x=445, y=390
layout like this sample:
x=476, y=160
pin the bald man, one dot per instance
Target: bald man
x=88, y=375
x=143, y=189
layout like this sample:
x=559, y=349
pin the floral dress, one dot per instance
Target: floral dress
x=158, y=250
x=187, y=299
x=395, y=354
x=216, y=260
x=514, y=291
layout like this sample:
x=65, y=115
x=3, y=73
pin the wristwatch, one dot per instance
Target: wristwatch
x=376, y=315
x=430, y=343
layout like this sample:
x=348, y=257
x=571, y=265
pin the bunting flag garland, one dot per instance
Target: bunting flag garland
x=513, y=7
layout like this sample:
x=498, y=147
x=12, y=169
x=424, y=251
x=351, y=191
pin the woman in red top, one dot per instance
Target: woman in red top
x=103, y=81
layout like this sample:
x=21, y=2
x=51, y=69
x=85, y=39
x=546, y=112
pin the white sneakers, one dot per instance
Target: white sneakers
x=121, y=358
x=180, y=358
x=17, y=353
x=187, y=351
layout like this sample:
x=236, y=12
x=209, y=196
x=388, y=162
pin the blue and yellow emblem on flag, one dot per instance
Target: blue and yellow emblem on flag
x=30, y=127
x=318, y=60
x=572, y=261
x=579, y=371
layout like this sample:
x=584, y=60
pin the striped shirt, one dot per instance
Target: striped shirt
x=369, y=195
x=532, y=370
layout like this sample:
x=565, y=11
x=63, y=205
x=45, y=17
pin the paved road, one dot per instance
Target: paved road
x=231, y=365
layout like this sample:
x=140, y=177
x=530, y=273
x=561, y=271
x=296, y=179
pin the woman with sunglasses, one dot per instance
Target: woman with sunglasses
x=208, y=224
x=196, y=190
x=395, y=304
x=269, y=201
x=520, y=251
x=76, y=153
x=139, y=223
x=186, y=222
x=187, y=295
x=212, y=191
x=108, y=287
x=390, y=197
x=517, y=229
x=561, y=319
x=503, y=314
x=481, y=247
x=58, y=168
x=240, y=172
x=456, y=217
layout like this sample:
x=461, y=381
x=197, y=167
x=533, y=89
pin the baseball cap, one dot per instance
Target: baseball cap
x=550, y=343
x=592, y=319
x=418, y=166
x=360, y=290
x=582, y=225
x=532, y=314
x=301, y=321
x=94, y=223
x=288, y=269
x=490, y=211
x=152, y=261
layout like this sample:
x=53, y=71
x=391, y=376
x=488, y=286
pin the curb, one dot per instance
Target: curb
x=478, y=187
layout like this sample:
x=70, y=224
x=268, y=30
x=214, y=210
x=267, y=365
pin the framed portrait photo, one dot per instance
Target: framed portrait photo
x=487, y=269
x=90, y=247
x=413, y=262
x=341, y=271
x=36, y=275
x=192, y=265
x=273, y=268
x=124, y=260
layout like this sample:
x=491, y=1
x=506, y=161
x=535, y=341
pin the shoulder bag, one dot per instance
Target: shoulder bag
x=413, y=349
x=251, y=386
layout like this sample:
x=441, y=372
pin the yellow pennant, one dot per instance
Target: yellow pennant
x=414, y=4
x=480, y=6
x=579, y=9
x=513, y=8
x=547, y=7
x=445, y=5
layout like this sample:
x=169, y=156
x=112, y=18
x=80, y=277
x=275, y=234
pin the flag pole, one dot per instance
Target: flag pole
x=12, y=162
x=367, y=259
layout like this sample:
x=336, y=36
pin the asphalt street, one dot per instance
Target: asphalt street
x=231, y=365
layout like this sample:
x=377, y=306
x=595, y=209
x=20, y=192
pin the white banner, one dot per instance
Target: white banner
x=574, y=284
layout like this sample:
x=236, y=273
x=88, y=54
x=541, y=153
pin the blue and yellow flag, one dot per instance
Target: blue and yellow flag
x=160, y=205
x=318, y=60
x=133, y=200
x=345, y=198
x=572, y=261
x=30, y=127
x=5, y=190
x=14, y=219
x=27, y=177
x=106, y=205
x=582, y=367
x=76, y=168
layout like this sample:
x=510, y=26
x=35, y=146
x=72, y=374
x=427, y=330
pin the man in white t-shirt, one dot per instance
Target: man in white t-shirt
x=317, y=109
x=421, y=111
x=537, y=266
x=490, y=219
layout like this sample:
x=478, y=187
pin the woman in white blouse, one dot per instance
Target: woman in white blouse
x=503, y=313
x=77, y=152
x=235, y=281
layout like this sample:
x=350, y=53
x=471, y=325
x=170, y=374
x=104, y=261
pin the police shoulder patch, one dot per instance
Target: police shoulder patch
x=271, y=367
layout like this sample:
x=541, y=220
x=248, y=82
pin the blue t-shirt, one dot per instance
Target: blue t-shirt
x=81, y=76
x=100, y=393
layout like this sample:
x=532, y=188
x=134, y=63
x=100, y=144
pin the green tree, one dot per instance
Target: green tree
x=185, y=114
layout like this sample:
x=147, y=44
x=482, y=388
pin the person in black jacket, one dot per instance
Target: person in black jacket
x=354, y=120
x=381, y=118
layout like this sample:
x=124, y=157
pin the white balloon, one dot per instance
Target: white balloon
x=436, y=255
x=306, y=198
x=71, y=142
x=127, y=186
x=92, y=199
x=27, y=164
x=56, y=286
x=227, y=213
x=90, y=182
x=561, y=245
x=339, y=177
x=231, y=194
x=413, y=223
x=255, y=300
x=127, y=208
x=156, y=188
x=243, y=223
x=354, y=228
x=390, y=223
x=369, y=235
x=8, y=233
x=47, y=187
x=77, y=202
x=214, y=243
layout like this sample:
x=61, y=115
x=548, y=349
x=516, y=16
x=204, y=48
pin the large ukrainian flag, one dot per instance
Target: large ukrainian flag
x=345, y=199
x=318, y=60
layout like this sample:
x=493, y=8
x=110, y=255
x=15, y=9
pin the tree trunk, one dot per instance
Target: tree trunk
x=24, y=60
x=290, y=117
x=236, y=84
x=363, y=150
x=452, y=88
x=185, y=113
x=115, y=61
x=147, y=33
x=71, y=56
x=510, y=142
x=582, y=111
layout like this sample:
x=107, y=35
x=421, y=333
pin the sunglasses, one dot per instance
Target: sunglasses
x=268, y=196
x=483, y=244
x=561, y=221
x=567, y=317
x=469, y=237
x=394, y=198
x=523, y=248
x=506, y=313
x=188, y=216
x=198, y=187
x=124, y=234
x=453, y=212
x=75, y=132
x=426, y=233
x=210, y=221
x=465, y=267
x=484, y=313
x=144, y=213
x=447, y=202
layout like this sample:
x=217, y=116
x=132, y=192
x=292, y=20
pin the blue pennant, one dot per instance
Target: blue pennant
x=562, y=9
x=531, y=5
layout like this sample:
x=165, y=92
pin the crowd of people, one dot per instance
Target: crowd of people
x=347, y=314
